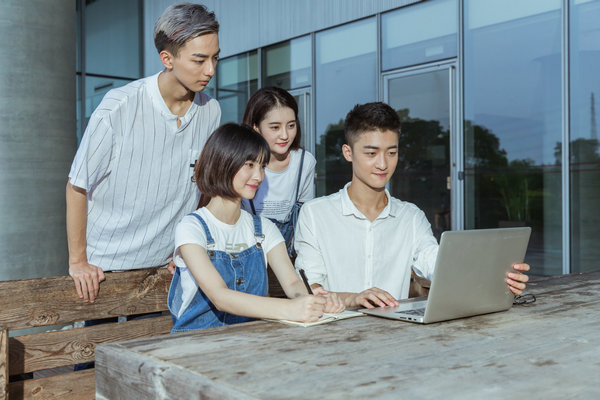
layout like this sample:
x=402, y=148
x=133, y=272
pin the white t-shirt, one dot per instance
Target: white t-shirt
x=136, y=166
x=227, y=238
x=342, y=250
x=275, y=196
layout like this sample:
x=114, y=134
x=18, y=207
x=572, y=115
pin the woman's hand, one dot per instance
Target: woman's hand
x=306, y=308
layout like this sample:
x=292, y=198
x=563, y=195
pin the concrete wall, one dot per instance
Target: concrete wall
x=249, y=24
x=37, y=134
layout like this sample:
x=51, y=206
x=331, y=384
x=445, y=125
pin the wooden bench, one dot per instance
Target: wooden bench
x=53, y=301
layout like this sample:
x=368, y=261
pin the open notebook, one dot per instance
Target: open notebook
x=326, y=318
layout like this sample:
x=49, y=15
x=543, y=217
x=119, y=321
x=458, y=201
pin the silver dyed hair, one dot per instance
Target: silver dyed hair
x=180, y=23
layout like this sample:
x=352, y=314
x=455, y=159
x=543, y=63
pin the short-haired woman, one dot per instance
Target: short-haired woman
x=221, y=251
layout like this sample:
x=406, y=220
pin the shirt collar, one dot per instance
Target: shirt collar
x=348, y=207
x=159, y=101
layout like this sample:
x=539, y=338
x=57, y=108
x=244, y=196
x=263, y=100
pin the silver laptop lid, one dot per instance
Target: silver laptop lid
x=470, y=270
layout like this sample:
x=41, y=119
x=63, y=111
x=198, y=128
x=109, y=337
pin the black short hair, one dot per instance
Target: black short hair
x=376, y=116
x=224, y=153
x=266, y=99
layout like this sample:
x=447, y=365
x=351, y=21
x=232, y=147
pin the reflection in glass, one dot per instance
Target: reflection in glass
x=345, y=76
x=420, y=33
x=237, y=79
x=113, y=37
x=423, y=103
x=584, y=147
x=302, y=97
x=513, y=122
x=211, y=88
x=288, y=65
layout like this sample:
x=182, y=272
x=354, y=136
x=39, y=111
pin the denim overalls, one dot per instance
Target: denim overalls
x=287, y=227
x=244, y=272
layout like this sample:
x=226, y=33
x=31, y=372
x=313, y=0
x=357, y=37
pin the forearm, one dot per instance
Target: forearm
x=76, y=223
x=249, y=305
x=294, y=289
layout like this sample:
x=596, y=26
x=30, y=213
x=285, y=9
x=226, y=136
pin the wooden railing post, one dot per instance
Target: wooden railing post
x=3, y=363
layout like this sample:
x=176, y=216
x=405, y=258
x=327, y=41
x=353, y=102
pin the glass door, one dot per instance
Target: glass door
x=303, y=97
x=423, y=98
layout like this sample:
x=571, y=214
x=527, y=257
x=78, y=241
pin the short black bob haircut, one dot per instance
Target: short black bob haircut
x=224, y=153
x=367, y=117
x=266, y=99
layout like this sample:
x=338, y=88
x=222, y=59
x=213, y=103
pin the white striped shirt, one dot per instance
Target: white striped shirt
x=136, y=167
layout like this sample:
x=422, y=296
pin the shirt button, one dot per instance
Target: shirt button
x=240, y=281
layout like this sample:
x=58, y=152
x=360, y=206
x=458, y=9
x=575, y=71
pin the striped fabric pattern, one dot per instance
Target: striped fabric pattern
x=136, y=166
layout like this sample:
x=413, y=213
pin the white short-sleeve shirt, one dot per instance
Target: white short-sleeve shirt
x=136, y=166
x=342, y=250
x=228, y=238
x=275, y=196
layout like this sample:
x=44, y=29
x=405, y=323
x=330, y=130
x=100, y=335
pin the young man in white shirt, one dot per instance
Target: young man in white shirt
x=130, y=182
x=361, y=242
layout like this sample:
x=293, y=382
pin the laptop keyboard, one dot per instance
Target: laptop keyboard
x=418, y=311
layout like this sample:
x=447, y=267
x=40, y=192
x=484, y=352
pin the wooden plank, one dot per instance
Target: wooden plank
x=155, y=382
x=48, y=301
x=55, y=349
x=3, y=362
x=78, y=385
x=525, y=350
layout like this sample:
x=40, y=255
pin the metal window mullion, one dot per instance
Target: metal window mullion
x=565, y=159
x=458, y=188
x=82, y=67
x=313, y=100
x=378, y=74
x=259, y=66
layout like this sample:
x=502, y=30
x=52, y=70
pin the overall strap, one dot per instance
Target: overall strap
x=299, y=175
x=258, y=230
x=210, y=243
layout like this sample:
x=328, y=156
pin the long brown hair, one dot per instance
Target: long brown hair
x=266, y=99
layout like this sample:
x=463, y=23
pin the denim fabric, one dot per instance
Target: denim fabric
x=244, y=272
x=287, y=228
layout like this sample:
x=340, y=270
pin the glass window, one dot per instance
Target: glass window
x=96, y=88
x=419, y=34
x=288, y=65
x=422, y=99
x=112, y=38
x=237, y=79
x=585, y=151
x=513, y=122
x=345, y=75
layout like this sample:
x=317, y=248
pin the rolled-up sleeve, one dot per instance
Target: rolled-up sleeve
x=310, y=258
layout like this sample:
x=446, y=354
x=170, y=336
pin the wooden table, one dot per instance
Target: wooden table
x=546, y=350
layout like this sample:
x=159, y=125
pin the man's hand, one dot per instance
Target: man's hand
x=87, y=279
x=371, y=298
x=516, y=280
x=334, y=303
x=171, y=267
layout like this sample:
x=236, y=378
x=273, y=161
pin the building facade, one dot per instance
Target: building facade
x=499, y=98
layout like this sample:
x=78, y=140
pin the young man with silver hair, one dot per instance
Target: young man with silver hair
x=130, y=182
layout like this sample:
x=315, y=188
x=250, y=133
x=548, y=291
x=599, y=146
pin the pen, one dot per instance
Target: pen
x=303, y=275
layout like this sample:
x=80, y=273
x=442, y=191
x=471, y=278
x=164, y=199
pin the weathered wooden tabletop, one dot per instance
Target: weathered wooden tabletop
x=549, y=349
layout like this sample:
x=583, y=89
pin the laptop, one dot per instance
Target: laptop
x=468, y=279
